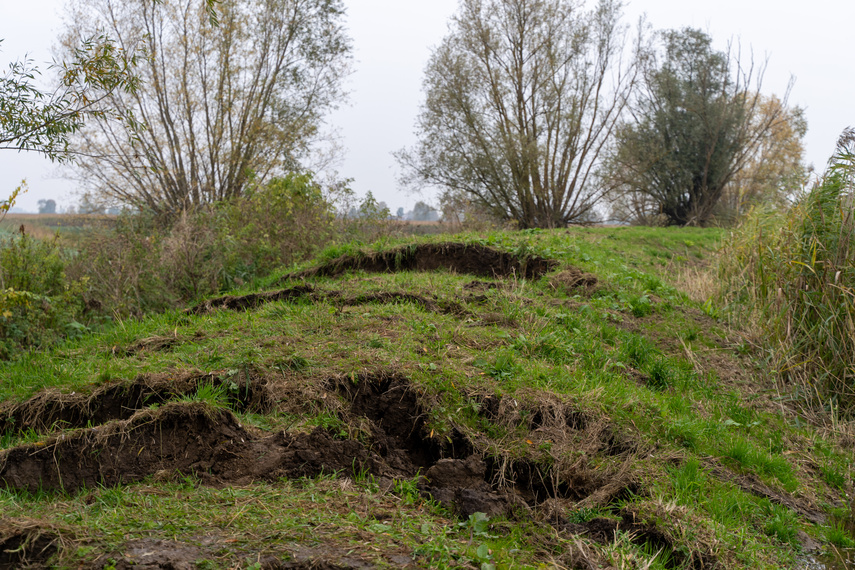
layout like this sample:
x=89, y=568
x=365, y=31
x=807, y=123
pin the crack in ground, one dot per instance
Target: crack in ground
x=473, y=259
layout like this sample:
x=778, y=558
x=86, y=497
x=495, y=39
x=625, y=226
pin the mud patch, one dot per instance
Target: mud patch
x=461, y=485
x=150, y=554
x=471, y=259
x=26, y=543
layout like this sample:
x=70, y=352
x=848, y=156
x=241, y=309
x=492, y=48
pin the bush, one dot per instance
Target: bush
x=794, y=272
x=284, y=221
x=38, y=303
x=122, y=269
x=146, y=264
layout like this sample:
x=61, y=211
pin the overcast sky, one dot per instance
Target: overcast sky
x=393, y=39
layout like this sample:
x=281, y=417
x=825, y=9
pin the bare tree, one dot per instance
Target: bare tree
x=218, y=106
x=521, y=98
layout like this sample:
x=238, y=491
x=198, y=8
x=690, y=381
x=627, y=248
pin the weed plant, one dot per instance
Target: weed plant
x=793, y=275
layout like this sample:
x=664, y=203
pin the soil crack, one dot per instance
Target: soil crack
x=473, y=259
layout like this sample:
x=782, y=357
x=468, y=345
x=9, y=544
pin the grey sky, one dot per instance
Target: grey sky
x=393, y=38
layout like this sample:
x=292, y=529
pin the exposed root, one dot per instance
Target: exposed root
x=563, y=442
x=50, y=409
x=643, y=529
x=27, y=543
x=457, y=257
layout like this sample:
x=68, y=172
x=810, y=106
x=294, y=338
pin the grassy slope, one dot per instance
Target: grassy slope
x=683, y=440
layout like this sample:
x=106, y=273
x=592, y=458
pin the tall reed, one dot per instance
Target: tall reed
x=793, y=274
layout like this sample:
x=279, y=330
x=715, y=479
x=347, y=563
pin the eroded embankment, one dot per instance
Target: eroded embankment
x=52, y=410
x=473, y=259
x=254, y=300
x=193, y=438
x=462, y=469
x=26, y=543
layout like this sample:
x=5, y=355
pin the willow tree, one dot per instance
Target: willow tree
x=696, y=122
x=218, y=107
x=521, y=98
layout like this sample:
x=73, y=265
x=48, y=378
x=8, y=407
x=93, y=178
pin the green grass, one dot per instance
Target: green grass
x=634, y=355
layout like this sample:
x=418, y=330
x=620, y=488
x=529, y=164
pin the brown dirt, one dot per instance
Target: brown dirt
x=26, y=543
x=194, y=439
x=149, y=554
x=642, y=533
x=472, y=259
x=251, y=301
x=51, y=410
x=155, y=554
x=573, y=280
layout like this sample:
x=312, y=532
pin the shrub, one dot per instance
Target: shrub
x=121, y=267
x=284, y=221
x=38, y=303
x=794, y=274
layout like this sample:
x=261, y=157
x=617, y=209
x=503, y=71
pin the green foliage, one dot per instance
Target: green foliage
x=793, y=274
x=503, y=367
x=216, y=397
x=121, y=267
x=38, y=303
x=285, y=220
x=33, y=120
x=837, y=535
x=144, y=263
x=696, y=124
x=781, y=522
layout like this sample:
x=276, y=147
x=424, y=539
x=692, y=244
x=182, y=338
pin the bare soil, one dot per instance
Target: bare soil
x=52, y=410
x=210, y=444
x=26, y=543
x=472, y=259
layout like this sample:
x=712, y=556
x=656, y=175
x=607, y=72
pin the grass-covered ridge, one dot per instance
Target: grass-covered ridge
x=589, y=415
